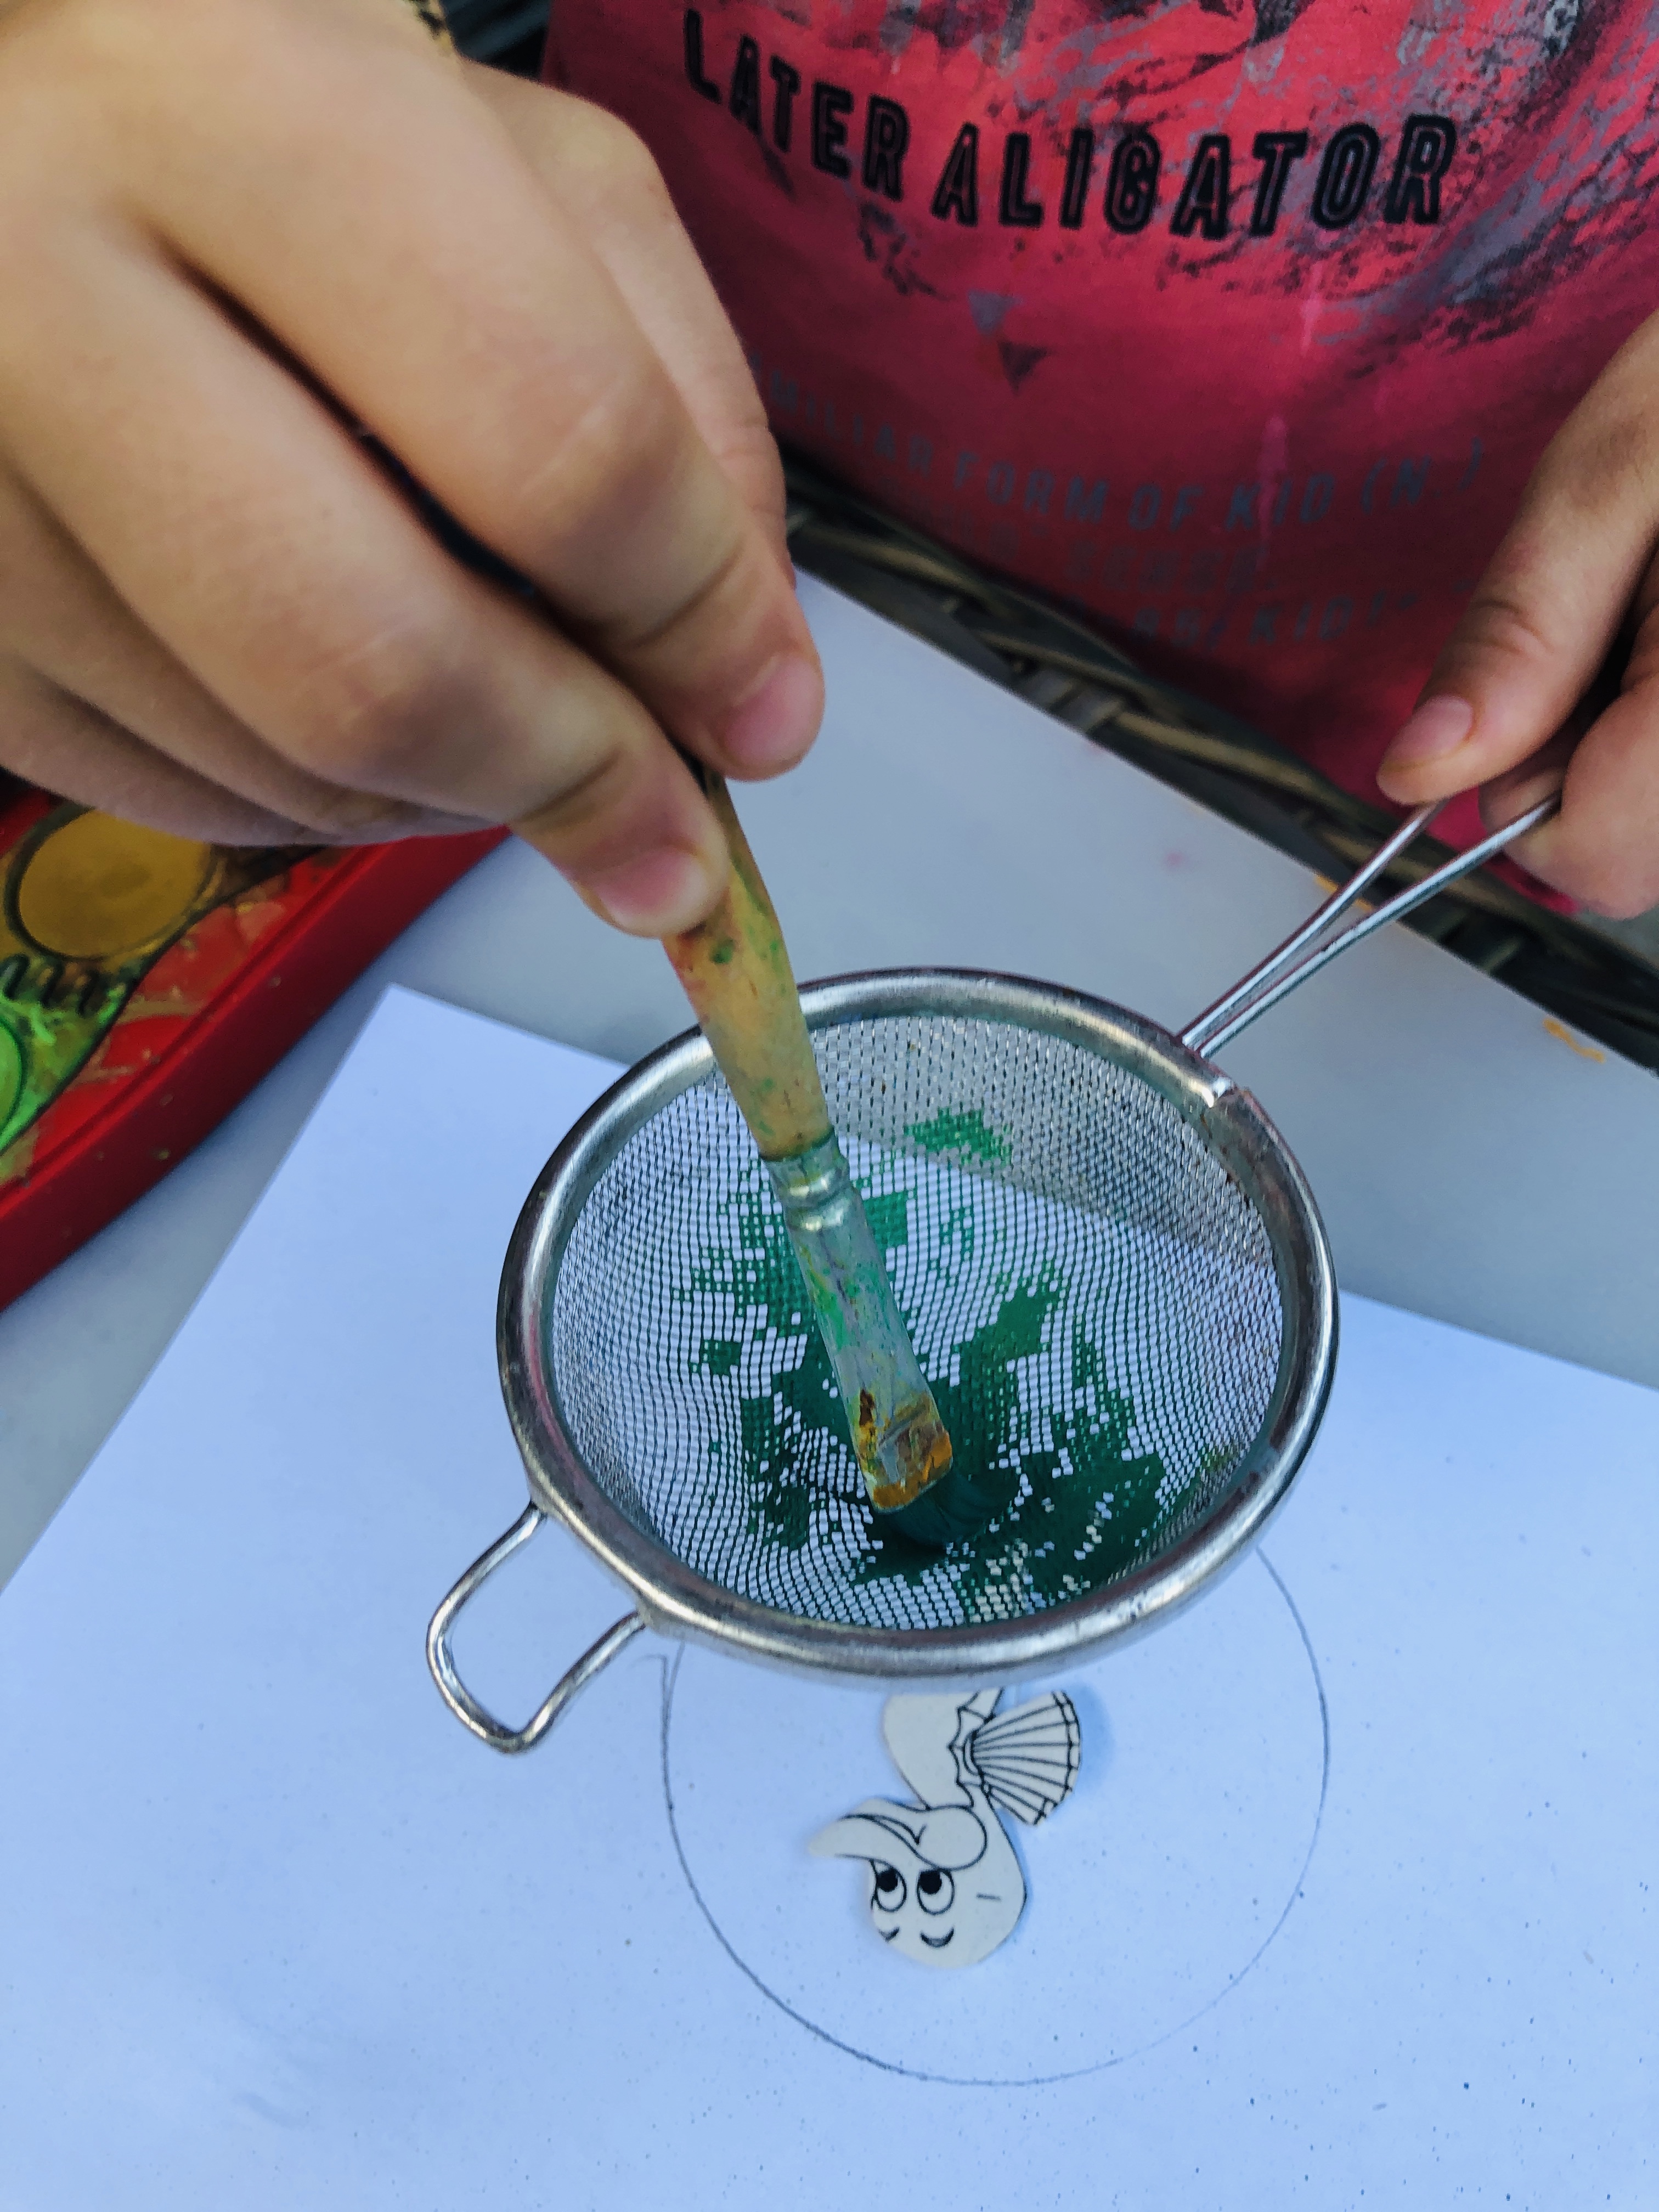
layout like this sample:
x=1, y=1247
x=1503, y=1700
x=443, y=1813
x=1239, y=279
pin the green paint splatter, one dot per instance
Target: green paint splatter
x=790, y=1408
x=1074, y=1504
x=889, y=1217
x=968, y=1133
x=1071, y=1511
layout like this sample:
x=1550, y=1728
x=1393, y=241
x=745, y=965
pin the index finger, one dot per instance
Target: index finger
x=499, y=361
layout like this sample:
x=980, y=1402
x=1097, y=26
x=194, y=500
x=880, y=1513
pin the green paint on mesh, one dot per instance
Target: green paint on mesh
x=970, y=1134
x=1074, y=1505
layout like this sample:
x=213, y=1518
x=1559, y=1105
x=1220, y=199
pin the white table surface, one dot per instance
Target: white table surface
x=1474, y=1161
x=1351, y=1905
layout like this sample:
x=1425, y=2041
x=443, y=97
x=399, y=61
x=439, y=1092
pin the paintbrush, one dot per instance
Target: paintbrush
x=736, y=975
x=736, y=972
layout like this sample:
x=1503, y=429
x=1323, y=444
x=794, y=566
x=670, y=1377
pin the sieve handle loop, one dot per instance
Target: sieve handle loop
x=1307, y=949
x=455, y=1693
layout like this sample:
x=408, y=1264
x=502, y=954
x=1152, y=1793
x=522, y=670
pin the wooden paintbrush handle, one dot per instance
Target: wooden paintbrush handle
x=736, y=972
x=737, y=976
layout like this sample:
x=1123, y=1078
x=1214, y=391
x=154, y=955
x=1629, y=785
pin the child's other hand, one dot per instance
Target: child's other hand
x=229, y=234
x=1515, y=702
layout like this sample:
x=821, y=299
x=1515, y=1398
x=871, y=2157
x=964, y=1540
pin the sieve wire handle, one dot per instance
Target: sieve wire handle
x=1309, y=948
x=455, y=1693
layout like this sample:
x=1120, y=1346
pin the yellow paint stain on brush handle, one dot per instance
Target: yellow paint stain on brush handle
x=735, y=970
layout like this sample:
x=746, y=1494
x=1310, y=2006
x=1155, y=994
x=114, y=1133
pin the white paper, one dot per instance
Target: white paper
x=1350, y=1904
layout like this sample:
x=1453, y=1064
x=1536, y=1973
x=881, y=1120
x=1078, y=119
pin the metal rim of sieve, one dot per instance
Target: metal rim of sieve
x=675, y=1600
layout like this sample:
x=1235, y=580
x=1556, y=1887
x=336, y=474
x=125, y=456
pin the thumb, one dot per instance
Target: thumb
x=1551, y=605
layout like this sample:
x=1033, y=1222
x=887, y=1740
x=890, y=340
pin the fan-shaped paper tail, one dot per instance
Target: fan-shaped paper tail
x=1027, y=1758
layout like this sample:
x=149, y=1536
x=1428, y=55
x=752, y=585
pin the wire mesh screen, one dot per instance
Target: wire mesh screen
x=1090, y=1293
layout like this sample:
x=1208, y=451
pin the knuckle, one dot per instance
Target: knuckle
x=1605, y=455
x=583, y=812
x=1505, y=621
x=615, y=151
x=666, y=628
x=746, y=449
x=376, y=711
x=613, y=449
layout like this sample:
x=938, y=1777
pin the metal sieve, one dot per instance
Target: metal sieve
x=1113, y=1272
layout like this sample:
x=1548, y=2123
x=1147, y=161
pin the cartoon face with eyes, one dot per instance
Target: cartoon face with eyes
x=946, y=1886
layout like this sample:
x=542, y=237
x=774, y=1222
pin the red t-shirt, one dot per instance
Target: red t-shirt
x=1239, y=323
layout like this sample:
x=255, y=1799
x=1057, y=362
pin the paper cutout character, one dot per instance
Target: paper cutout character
x=946, y=1882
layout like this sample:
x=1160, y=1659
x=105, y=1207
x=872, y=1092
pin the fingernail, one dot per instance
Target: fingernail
x=774, y=725
x=1438, y=727
x=656, y=896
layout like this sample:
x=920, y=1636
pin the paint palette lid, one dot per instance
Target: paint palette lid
x=148, y=981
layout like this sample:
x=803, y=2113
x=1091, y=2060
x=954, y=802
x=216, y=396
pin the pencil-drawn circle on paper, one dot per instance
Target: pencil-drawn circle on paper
x=1151, y=1895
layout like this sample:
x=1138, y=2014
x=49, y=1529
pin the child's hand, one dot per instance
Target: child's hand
x=1515, y=685
x=231, y=232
